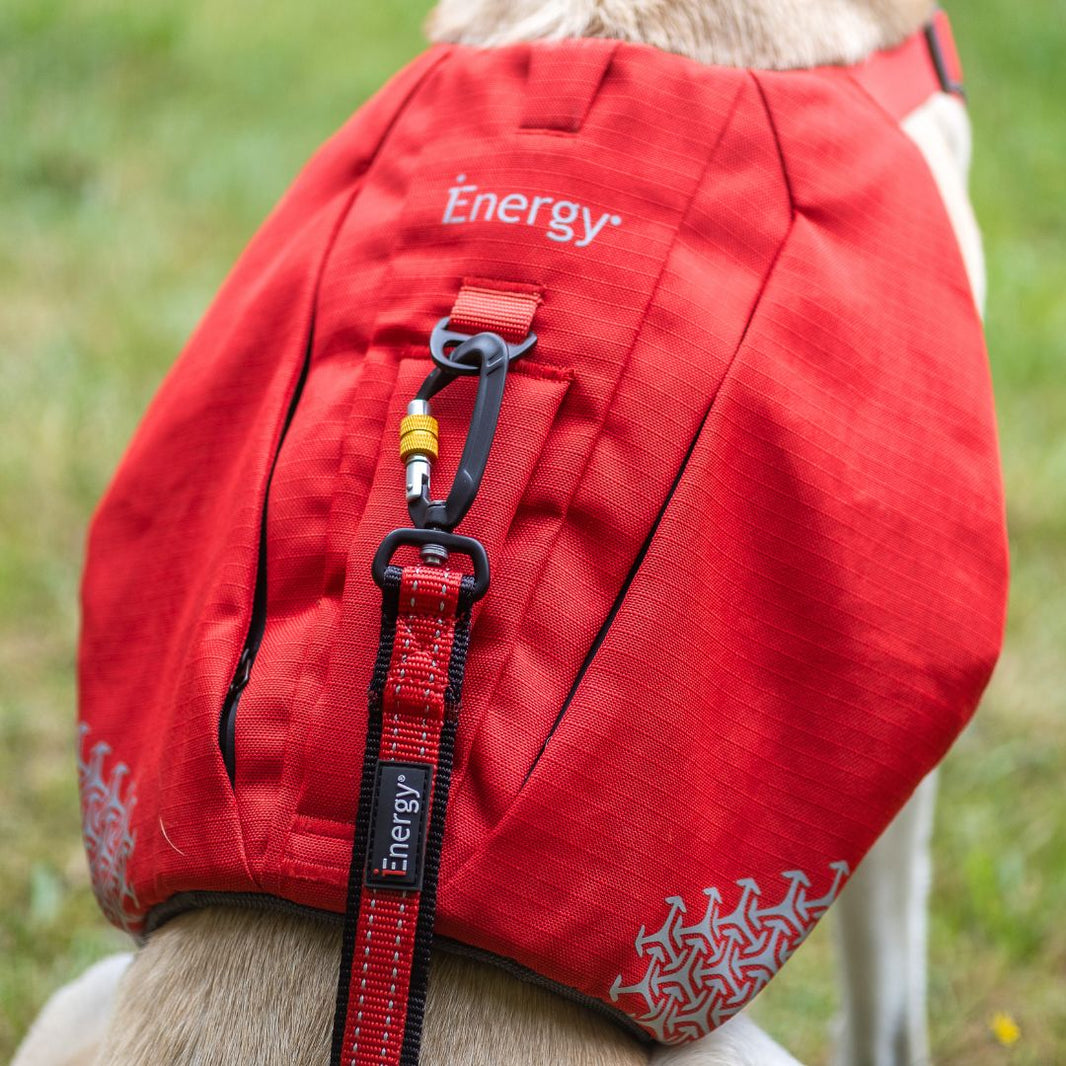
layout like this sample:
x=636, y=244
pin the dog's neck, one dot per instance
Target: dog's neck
x=773, y=34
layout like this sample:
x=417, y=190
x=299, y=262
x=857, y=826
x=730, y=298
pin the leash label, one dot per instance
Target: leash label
x=398, y=825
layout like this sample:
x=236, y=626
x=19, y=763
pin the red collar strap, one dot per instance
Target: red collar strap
x=413, y=716
x=903, y=78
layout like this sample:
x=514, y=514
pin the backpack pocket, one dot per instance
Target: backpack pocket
x=320, y=688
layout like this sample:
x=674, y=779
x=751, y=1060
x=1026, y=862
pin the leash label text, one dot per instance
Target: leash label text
x=398, y=825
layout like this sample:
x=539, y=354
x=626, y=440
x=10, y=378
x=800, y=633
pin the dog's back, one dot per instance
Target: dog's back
x=769, y=34
x=228, y=985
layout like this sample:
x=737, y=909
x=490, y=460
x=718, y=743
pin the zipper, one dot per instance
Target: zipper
x=227, y=722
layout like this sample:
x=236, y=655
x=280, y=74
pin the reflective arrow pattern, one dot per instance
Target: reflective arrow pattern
x=105, y=825
x=698, y=976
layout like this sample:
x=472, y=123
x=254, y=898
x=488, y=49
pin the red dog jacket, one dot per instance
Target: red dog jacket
x=743, y=510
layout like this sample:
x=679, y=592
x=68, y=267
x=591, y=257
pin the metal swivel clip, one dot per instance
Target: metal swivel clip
x=455, y=354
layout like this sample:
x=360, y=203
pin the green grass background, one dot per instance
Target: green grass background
x=140, y=145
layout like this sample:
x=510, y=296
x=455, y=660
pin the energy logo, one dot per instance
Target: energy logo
x=565, y=221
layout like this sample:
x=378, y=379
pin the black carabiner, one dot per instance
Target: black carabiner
x=458, y=355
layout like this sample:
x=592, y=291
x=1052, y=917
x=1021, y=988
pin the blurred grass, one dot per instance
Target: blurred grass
x=142, y=145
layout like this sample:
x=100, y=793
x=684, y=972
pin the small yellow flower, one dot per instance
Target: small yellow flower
x=1005, y=1029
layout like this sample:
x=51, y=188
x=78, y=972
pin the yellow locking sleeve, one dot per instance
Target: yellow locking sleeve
x=418, y=436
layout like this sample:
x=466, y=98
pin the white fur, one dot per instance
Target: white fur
x=72, y=1023
x=941, y=130
x=740, y=1042
x=881, y=937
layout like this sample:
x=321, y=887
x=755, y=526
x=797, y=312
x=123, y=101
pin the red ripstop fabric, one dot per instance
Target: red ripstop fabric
x=744, y=514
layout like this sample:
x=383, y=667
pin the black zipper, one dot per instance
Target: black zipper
x=227, y=722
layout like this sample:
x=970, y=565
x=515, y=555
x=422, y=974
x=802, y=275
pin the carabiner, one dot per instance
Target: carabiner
x=456, y=355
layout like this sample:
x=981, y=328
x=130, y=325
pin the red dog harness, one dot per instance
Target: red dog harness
x=742, y=507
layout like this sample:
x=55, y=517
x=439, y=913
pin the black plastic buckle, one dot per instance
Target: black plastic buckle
x=457, y=354
x=940, y=63
x=461, y=361
x=474, y=550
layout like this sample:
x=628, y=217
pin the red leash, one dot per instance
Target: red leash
x=415, y=696
x=392, y=887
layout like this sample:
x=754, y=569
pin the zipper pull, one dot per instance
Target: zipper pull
x=240, y=675
x=227, y=722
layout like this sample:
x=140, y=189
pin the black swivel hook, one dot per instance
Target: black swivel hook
x=456, y=355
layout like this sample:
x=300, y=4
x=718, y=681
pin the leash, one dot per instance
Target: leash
x=414, y=698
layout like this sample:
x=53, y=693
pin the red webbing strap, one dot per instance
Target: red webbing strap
x=403, y=796
x=901, y=79
x=501, y=307
x=414, y=704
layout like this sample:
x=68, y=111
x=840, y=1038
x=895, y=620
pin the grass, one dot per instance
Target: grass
x=142, y=145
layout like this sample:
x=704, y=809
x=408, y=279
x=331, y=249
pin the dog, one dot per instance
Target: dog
x=222, y=985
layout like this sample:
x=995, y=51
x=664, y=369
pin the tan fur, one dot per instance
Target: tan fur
x=225, y=985
x=774, y=34
x=228, y=985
